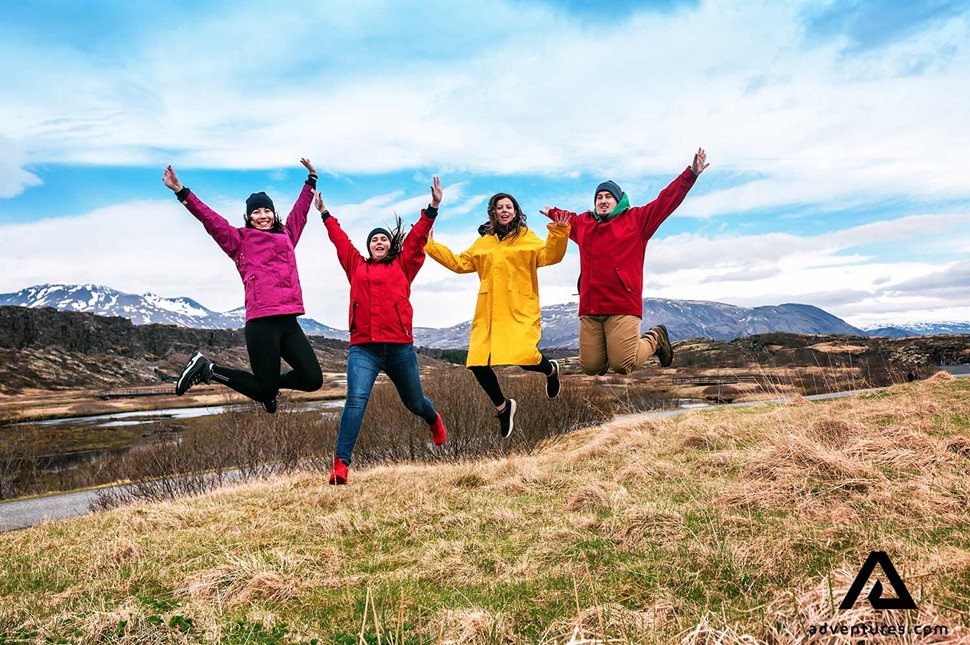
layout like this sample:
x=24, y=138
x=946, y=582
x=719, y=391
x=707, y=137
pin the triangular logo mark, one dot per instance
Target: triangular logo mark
x=903, y=599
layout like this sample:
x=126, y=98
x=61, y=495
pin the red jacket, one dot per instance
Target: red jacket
x=380, y=292
x=265, y=260
x=611, y=253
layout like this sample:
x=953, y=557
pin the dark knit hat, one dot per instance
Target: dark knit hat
x=259, y=200
x=610, y=187
x=375, y=232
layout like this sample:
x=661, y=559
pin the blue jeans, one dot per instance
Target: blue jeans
x=400, y=362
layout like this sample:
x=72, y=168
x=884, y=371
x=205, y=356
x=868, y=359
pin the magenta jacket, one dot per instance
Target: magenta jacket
x=265, y=260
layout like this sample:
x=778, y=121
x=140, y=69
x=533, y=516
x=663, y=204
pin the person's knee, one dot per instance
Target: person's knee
x=624, y=366
x=314, y=381
x=356, y=401
x=593, y=370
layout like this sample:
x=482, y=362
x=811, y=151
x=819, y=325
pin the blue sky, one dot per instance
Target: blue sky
x=837, y=134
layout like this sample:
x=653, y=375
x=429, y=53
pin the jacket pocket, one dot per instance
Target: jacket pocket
x=485, y=286
x=623, y=281
x=353, y=315
x=401, y=307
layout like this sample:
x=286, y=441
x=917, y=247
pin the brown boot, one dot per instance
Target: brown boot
x=664, y=352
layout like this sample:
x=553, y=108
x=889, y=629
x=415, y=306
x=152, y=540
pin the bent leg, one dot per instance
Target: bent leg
x=401, y=366
x=485, y=376
x=544, y=366
x=593, y=356
x=262, y=343
x=624, y=347
x=296, y=350
x=362, y=369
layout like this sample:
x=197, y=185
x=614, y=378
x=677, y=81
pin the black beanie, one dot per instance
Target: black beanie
x=258, y=200
x=610, y=187
x=375, y=232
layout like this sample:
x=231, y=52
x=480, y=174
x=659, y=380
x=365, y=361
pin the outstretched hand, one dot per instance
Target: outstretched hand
x=318, y=202
x=699, y=165
x=170, y=179
x=545, y=211
x=436, y=192
x=309, y=166
x=559, y=220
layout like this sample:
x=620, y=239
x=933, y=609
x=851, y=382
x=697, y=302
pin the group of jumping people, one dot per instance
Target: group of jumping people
x=506, y=329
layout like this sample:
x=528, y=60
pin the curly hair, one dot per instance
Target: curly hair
x=514, y=227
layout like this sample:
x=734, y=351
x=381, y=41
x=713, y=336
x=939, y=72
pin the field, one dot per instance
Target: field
x=727, y=526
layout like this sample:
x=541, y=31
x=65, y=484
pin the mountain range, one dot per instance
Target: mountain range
x=560, y=327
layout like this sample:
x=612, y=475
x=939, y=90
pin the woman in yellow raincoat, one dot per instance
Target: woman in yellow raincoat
x=506, y=328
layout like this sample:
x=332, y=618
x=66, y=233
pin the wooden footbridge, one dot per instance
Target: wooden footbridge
x=718, y=379
x=136, y=392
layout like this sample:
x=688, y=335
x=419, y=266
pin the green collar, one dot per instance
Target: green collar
x=621, y=206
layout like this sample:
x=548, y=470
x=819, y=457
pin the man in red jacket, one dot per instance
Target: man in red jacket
x=612, y=240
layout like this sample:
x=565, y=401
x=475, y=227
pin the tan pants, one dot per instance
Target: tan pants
x=613, y=342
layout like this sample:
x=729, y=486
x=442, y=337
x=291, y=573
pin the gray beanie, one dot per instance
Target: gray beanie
x=610, y=187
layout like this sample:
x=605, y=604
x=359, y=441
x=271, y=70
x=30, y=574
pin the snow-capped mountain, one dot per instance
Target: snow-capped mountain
x=142, y=309
x=683, y=318
x=560, y=323
x=902, y=330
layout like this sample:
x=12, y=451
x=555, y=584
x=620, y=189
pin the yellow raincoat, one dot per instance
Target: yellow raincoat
x=506, y=329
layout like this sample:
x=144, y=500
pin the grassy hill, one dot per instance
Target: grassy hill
x=728, y=526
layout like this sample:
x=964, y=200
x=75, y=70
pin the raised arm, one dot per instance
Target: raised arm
x=653, y=214
x=348, y=256
x=443, y=256
x=412, y=252
x=225, y=234
x=296, y=221
x=556, y=240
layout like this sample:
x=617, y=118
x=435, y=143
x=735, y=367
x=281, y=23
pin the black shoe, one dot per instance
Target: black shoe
x=270, y=406
x=553, y=384
x=665, y=353
x=505, y=418
x=197, y=370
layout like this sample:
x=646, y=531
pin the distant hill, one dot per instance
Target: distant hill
x=920, y=329
x=49, y=349
x=683, y=319
x=560, y=324
x=143, y=309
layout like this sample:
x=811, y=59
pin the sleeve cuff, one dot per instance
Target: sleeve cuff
x=324, y=216
x=311, y=181
x=431, y=211
x=182, y=194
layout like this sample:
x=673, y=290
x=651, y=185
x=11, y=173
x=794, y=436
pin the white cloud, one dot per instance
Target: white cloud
x=14, y=179
x=157, y=246
x=550, y=95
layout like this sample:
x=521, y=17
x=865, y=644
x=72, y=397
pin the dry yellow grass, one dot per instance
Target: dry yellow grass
x=726, y=526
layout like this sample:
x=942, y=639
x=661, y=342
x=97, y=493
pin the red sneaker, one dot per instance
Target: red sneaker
x=338, y=476
x=438, y=432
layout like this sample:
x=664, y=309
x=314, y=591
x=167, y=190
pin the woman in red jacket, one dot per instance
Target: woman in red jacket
x=380, y=323
x=263, y=251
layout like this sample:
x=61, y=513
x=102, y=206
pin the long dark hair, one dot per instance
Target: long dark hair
x=397, y=242
x=513, y=228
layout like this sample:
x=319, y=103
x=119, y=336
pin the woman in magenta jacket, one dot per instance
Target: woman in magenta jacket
x=380, y=323
x=263, y=251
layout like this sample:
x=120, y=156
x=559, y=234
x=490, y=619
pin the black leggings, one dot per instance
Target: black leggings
x=489, y=382
x=269, y=339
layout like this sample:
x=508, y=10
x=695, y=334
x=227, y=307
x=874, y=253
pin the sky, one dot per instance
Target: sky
x=837, y=133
